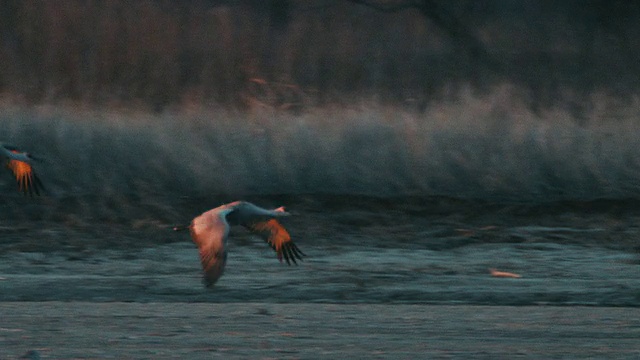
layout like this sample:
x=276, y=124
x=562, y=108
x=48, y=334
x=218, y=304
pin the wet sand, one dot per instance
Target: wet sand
x=82, y=330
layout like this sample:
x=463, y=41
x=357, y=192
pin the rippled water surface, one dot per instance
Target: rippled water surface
x=360, y=250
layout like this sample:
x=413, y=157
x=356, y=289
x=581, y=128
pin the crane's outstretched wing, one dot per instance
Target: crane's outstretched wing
x=28, y=181
x=213, y=255
x=278, y=238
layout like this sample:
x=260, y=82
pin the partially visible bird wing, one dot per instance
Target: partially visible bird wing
x=27, y=180
x=278, y=238
x=213, y=255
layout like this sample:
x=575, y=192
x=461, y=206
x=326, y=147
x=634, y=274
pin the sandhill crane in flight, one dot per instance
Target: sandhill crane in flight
x=210, y=232
x=19, y=163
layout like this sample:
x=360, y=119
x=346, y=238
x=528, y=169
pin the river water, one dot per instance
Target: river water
x=359, y=250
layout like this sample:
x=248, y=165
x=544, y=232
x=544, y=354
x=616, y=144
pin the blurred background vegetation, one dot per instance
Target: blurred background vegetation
x=165, y=102
x=293, y=54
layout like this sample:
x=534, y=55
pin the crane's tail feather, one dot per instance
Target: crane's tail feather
x=181, y=227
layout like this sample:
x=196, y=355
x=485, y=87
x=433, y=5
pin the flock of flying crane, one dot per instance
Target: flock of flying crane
x=209, y=231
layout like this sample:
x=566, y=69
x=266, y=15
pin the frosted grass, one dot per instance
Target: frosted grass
x=482, y=147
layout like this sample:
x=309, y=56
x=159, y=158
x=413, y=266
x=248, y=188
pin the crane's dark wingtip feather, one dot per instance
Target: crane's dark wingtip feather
x=38, y=185
x=30, y=185
x=291, y=253
x=286, y=255
x=289, y=256
x=293, y=258
x=298, y=253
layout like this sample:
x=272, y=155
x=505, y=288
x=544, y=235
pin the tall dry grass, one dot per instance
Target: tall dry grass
x=488, y=146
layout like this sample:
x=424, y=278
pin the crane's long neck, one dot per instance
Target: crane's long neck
x=20, y=156
x=279, y=212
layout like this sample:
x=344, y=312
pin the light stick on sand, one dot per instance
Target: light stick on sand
x=504, y=274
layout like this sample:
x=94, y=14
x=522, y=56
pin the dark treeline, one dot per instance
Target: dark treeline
x=295, y=53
